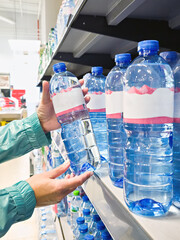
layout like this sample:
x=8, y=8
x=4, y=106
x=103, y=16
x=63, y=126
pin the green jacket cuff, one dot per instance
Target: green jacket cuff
x=39, y=138
x=24, y=200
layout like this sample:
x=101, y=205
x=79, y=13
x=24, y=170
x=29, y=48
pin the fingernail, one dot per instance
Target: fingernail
x=67, y=162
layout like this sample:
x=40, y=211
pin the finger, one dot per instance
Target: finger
x=59, y=170
x=85, y=91
x=81, y=81
x=45, y=93
x=78, y=180
x=87, y=99
x=67, y=176
x=72, y=175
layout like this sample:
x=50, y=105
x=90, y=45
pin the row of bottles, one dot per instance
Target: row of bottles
x=84, y=220
x=139, y=113
x=56, y=33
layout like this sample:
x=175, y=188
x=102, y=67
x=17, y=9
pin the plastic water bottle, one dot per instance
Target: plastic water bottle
x=93, y=225
x=67, y=10
x=79, y=221
x=86, y=204
x=75, y=207
x=87, y=216
x=83, y=231
x=148, y=118
x=89, y=237
x=69, y=199
x=171, y=57
x=96, y=91
x=106, y=236
x=176, y=137
x=72, y=113
x=114, y=115
x=100, y=228
x=85, y=78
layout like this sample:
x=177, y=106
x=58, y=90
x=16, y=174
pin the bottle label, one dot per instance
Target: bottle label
x=68, y=100
x=114, y=104
x=177, y=105
x=148, y=105
x=97, y=102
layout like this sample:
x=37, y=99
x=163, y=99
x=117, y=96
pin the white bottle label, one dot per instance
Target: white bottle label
x=148, y=105
x=97, y=102
x=114, y=104
x=177, y=105
x=68, y=100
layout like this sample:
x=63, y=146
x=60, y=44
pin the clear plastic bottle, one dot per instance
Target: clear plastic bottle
x=75, y=208
x=176, y=137
x=100, y=228
x=86, y=204
x=87, y=216
x=69, y=199
x=96, y=91
x=67, y=10
x=83, y=230
x=93, y=225
x=79, y=221
x=85, y=78
x=89, y=237
x=72, y=113
x=148, y=119
x=114, y=115
x=171, y=57
x=106, y=236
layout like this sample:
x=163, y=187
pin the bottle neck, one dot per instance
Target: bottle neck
x=59, y=71
x=96, y=74
x=146, y=53
x=122, y=64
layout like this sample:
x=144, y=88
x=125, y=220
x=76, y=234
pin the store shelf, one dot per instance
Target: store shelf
x=66, y=229
x=100, y=29
x=123, y=224
x=11, y=115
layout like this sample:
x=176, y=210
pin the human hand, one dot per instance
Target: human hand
x=49, y=190
x=46, y=113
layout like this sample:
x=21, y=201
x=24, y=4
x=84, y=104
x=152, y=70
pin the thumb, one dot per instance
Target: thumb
x=59, y=170
x=45, y=93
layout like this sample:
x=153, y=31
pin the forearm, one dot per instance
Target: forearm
x=20, y=137
x=17, y=204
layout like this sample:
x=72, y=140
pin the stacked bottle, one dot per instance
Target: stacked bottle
x=148, y=119
x=72, y=113
x=96, y=90
x=114, y=116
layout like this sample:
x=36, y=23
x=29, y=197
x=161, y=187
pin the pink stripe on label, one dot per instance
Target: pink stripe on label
x=155, y=120
x=114, y=115
x=78, y=108
x=98, y=110
x=97, y=93
x=177, y=120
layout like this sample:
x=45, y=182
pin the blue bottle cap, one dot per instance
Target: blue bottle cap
x=123, y=57
x=169, y=56
x=106, y=236
x=100, y=225
x=86, y=212
x=80, y=220
x=96, y=218
x=85, y=198
x=148, y=45
x=83, y=228
x=98, y=70
x=59, y=67
x=89, y=237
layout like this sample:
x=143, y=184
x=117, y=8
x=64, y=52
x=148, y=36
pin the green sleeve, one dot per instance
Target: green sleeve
x=22, y=136
x=17, y=204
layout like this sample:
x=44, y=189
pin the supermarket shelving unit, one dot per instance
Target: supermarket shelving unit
x=97, y=30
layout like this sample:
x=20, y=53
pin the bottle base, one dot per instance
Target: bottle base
x=148, y=207
x=176, y=203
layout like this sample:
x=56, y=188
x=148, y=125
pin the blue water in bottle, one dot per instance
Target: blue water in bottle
x=99, y=230
x=96, y=86
x=93, y=225
x=148, y=119
x=106, y=236
x=87, y=216
x=176, y=137
x=171, y=57
x=114, y=116
x=89, y=237
x=72, y=113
